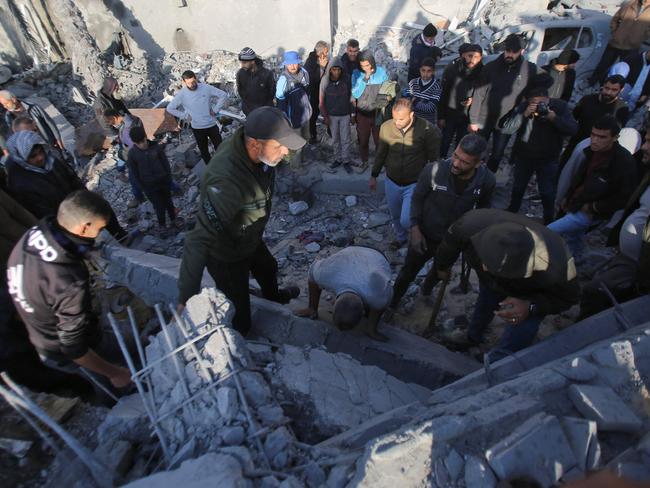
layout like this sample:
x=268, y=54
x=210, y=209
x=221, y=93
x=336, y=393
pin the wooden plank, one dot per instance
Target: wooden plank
x=156, y=121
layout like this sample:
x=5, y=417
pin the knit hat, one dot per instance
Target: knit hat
x=470, y=48
x=430, y=30
x=568, y=56
x=291, y=57
x=247, y=54
x=513, y=43
x=505, y=249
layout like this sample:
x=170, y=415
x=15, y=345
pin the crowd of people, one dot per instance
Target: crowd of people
x=431, y=141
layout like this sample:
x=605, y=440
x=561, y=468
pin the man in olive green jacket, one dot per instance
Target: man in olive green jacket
x=234, y=207
x=406, y=144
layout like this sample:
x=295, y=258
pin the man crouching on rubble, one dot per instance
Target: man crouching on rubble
x=360, y=278
x=234, y=207
x=525, y=272
x=49, y=284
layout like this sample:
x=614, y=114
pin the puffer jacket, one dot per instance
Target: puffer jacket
x=150, y=167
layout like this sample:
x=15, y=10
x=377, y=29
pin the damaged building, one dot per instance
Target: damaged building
x=298, y=402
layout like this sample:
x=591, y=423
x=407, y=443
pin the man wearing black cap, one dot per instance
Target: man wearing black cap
x=458, y=83
x=423, y=46
x=562, y=70
x=234, y=207
x=502, y=84
x=255, y=83
x=525, y=272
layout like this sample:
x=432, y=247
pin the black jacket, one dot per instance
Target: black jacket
x=636, y=63
x=349, y=66
x=336, y=98
x=48, y=281
x=41, y=193
x=458, y=84
x=150, y=167
x=420, y=51
x=436, y=204
x=552, y=290
x=589, y=109
x=315, y=75
x=608, y=187
x=563, y=82
x=255, y=88
x=538, y=138
x=500, y=89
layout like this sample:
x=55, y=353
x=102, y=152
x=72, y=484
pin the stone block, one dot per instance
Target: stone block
x=350, y=201
x=277, y=441
x=271, y=415
x=583, y=439
x=296, y=208
x=228, y=402
x=605, y=407
x=232, y=436
x=478, y=474
x=579, y=369
x=454, y=464
x=538, y=448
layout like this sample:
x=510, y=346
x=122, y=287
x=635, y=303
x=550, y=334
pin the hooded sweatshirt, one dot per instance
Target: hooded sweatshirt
x=39, y=190
x=336, y=95
x=48, y=282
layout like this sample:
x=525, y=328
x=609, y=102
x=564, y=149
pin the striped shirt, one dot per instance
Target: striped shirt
x=425, y=98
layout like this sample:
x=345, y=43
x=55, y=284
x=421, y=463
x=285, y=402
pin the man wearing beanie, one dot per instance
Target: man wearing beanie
x=525, y=272
x=501, y=87
x=255, y=83
x=562, y=70
x=423, y=46
x=458, y=83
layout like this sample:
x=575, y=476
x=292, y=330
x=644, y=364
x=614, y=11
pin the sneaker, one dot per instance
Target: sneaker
x=285, y=295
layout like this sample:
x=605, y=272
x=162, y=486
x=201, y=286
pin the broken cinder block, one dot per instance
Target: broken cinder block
x=605, y=407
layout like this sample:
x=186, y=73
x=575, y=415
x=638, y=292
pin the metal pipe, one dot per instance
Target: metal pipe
x=136, y=379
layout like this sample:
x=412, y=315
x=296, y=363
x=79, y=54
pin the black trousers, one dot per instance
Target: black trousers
x=202, y=136
x=315, y=111
x=115, y=229
x=161, y=199
x=413, y=263
x=609, y=57
x=232, y=280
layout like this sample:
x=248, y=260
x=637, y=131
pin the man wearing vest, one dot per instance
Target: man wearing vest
x=444, y=192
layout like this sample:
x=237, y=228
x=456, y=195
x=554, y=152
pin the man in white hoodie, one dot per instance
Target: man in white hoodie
x=200, y=104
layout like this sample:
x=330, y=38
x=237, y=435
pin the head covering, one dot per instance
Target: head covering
x=568, y=56
x=20, y=146
x=337, y=63
x=430, y=30
x=247, y=54
x=513, y=43
x=266, y=123
x=621, y=68
x=470, y=48
x=505, y=249
x=630, y=139
x=291, y=57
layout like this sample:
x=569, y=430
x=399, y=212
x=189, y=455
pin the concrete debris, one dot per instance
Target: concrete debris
x=296, y=208
x=583, y=439
x=605, y=407
x=350, y=201
x=336, y=392
x=478, y=474
x=16, y=447
x=538, y=449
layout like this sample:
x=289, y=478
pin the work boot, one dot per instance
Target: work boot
x=285, y=295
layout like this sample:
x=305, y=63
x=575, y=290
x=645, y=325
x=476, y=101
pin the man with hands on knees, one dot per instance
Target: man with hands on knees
x=360, y=279
x=525, y=272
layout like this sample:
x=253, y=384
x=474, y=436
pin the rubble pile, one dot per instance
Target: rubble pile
x=553, y=423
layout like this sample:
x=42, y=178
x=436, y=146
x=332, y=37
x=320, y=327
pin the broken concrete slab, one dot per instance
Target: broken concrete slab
x=605, y=407
x=583, y=439
x=478, y=474
x=538, y=448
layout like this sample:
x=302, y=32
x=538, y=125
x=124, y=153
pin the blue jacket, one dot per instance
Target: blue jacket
x=359, y=82
x=293, y=97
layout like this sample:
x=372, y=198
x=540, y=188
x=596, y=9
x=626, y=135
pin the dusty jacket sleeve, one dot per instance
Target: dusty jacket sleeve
x=75, y=319
x=221, y=203
x=422, y=187
x=454, y=242
x=382, y=152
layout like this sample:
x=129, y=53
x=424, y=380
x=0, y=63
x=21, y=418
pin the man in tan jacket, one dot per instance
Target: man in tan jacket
x=630, y=28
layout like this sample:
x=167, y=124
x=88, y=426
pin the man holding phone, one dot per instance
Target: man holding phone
x=525, y=272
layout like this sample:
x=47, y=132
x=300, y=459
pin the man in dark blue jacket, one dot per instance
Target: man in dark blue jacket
x=422, y=47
